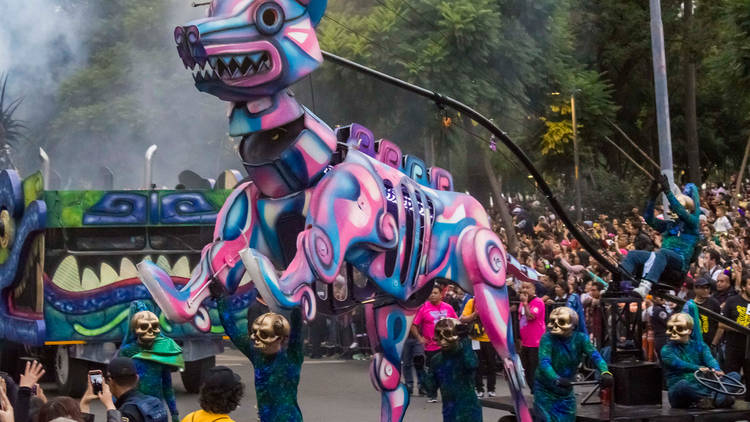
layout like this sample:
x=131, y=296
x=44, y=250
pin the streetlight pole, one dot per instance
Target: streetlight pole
x=661, y=92
x=577, y=180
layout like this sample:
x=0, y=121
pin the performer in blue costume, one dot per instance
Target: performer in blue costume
x=684, y=354
x=277, y=368
x=679, y=236
x=452, y=370
x=561, y=350
x=155, y=355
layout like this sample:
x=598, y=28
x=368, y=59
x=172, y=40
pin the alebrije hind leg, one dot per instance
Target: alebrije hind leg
x=484, y=261
x=387, y=328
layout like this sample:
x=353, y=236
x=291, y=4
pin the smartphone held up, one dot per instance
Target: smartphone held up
x=97, y=379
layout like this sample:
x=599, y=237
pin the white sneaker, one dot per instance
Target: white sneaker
x=432, y=400
x=491, y=394
x=480, y=394
x=643, y=288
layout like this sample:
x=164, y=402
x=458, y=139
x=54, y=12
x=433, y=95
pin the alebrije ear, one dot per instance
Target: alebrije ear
x=316, y=9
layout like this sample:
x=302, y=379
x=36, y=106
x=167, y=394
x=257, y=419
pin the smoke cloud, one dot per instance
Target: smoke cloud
x=41, y=43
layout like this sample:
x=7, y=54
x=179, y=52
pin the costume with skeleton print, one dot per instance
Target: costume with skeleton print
x=685, y=353
x=561, y=350
x=452, y=371
x=679, y=236
x=276, y=376
x=154, y=354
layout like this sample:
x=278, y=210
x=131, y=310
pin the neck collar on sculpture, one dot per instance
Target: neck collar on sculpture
x=263, y=113
x=291, y=149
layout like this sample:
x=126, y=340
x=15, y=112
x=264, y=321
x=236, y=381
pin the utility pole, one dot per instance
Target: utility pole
x=691, y=119
x=575, y=158
x=661, y=92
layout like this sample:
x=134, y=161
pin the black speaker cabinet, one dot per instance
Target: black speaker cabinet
x=636, y=383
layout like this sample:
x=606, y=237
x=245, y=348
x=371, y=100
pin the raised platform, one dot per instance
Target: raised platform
x=596, y=412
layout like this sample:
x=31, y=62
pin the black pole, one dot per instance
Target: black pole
x=499, y=134
x=543, y=186
x=719, y=317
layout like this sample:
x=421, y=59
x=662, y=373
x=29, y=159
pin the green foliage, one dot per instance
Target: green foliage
x=11, y=129
x=503, y=57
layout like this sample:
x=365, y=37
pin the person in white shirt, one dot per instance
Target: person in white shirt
x=722, y=223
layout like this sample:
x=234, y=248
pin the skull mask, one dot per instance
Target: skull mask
x=562, y=321
x=679, y=327
x=145, y=325
x=445, y=333
x=268, y=331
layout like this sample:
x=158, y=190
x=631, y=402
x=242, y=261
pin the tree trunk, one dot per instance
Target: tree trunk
x=691, y=119
x=741, y=174
x=429, y=150
x=501, y=205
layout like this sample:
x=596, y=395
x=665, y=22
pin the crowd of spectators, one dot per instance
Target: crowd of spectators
x=25, y=401
x=564, y=268
x=719, y=279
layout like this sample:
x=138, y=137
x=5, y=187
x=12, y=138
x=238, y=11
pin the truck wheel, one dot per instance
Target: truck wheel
x=195, y=373
x=9, y=358
x=70, y=374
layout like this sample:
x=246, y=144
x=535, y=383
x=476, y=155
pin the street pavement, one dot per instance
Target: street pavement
x=329, y=391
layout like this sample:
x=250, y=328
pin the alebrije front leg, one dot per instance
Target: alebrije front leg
x=484, y=260
x=236, y=229
x=387, y=328
x=290, y=290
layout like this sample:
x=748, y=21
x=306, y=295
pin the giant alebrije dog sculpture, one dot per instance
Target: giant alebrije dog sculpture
x=326, y=205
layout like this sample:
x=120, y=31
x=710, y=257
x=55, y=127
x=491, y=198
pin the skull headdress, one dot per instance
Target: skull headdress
x=268, y=331
x=146, y=327
x=679, y=327
x=562, y=321
x=446, y=332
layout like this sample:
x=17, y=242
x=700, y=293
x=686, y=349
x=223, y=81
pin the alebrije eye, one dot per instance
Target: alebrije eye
x=269, y=18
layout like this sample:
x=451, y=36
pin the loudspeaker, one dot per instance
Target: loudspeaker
x=637, y=383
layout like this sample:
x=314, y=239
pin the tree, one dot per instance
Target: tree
x=11, y=129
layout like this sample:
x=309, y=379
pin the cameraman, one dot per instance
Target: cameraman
x=132, y=406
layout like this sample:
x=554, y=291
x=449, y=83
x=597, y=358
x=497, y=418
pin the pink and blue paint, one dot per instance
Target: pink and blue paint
x=312, y=212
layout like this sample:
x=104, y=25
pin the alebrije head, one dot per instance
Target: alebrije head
x=249, y=49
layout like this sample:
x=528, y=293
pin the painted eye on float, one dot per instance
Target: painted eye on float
x=269, y=18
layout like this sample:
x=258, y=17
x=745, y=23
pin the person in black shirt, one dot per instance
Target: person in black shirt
x=658, y=320
x=703, y=298
x=642, y=240
x=737, y=308
x=724, y=288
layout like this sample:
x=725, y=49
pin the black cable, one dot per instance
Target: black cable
x=543, y=186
